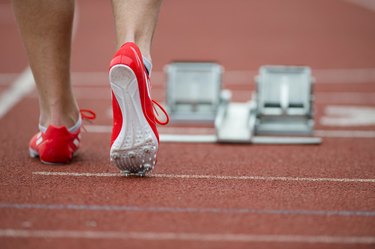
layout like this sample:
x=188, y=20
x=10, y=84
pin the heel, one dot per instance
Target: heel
x=56, y=151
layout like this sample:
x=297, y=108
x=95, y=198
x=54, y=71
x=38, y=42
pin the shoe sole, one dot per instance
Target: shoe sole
x=135, y=148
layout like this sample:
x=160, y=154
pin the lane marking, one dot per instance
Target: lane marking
x=345, y=97
x=215, y=177
x=180, y=138
x=342, y=116
x=345, y=134
x=22, y=86
x=367, y=4
x=357, y=98
x=208, y=134
x=127, y=208
x=256, y=140
x=323, y=76
x=207, y=237
x=176, y=130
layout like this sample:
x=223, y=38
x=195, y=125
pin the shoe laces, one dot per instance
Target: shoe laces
x=87, y=114
x=156, y=105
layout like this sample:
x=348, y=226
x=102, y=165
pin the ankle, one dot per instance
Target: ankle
x=141, y=43
x=56, y=118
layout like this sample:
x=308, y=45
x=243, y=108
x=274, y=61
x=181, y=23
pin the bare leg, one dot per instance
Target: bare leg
x=135, y=21
x=46, y=29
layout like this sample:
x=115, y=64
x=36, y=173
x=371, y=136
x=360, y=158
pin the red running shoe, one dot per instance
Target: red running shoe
x=135, y=139
x=57, y=144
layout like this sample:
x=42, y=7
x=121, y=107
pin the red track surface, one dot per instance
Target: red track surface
x=172, y=211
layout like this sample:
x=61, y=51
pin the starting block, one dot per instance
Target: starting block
x=284, y=101
x=280, y=111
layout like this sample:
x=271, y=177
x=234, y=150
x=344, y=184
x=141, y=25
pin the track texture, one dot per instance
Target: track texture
x=196, y=198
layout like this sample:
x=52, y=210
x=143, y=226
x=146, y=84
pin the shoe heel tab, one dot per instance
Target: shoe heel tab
x=56, y=129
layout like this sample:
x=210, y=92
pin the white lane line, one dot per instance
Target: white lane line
x=367, y=4
x=98, y=128
x=345, y=97
x=168, y=236
x=358, y=75
x=343, y=116
x=215, y=177
x=208, y=134
x=177, y=130
x=154, y=209
x=345, y=134
x=348, y=98
x=24, y=83
x=275, y=140
x=99, y=93
x=180, y=138
x=22, y=86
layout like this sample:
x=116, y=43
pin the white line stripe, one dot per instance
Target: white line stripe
x=354, y=98
x=207, y=134
x=345, y=134
x=97, y=93
x=345, y=97
x=275, y=140
x=177, y=130
x=346, y=116
x=161, y=236
x=215, y=177
x=265, y=178
x=98, y=128
x=367, y=4
x=22, y=86
x=180, y=138
x=163, y=209
x=359, y=75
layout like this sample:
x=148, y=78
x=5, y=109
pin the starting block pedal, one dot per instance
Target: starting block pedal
x=284, y=101
x=194, y=91
x=281, y=105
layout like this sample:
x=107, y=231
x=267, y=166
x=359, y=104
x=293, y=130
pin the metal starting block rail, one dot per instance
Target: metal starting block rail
x=280, y=111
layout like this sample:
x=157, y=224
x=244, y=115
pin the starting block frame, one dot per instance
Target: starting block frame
x=280, y=111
